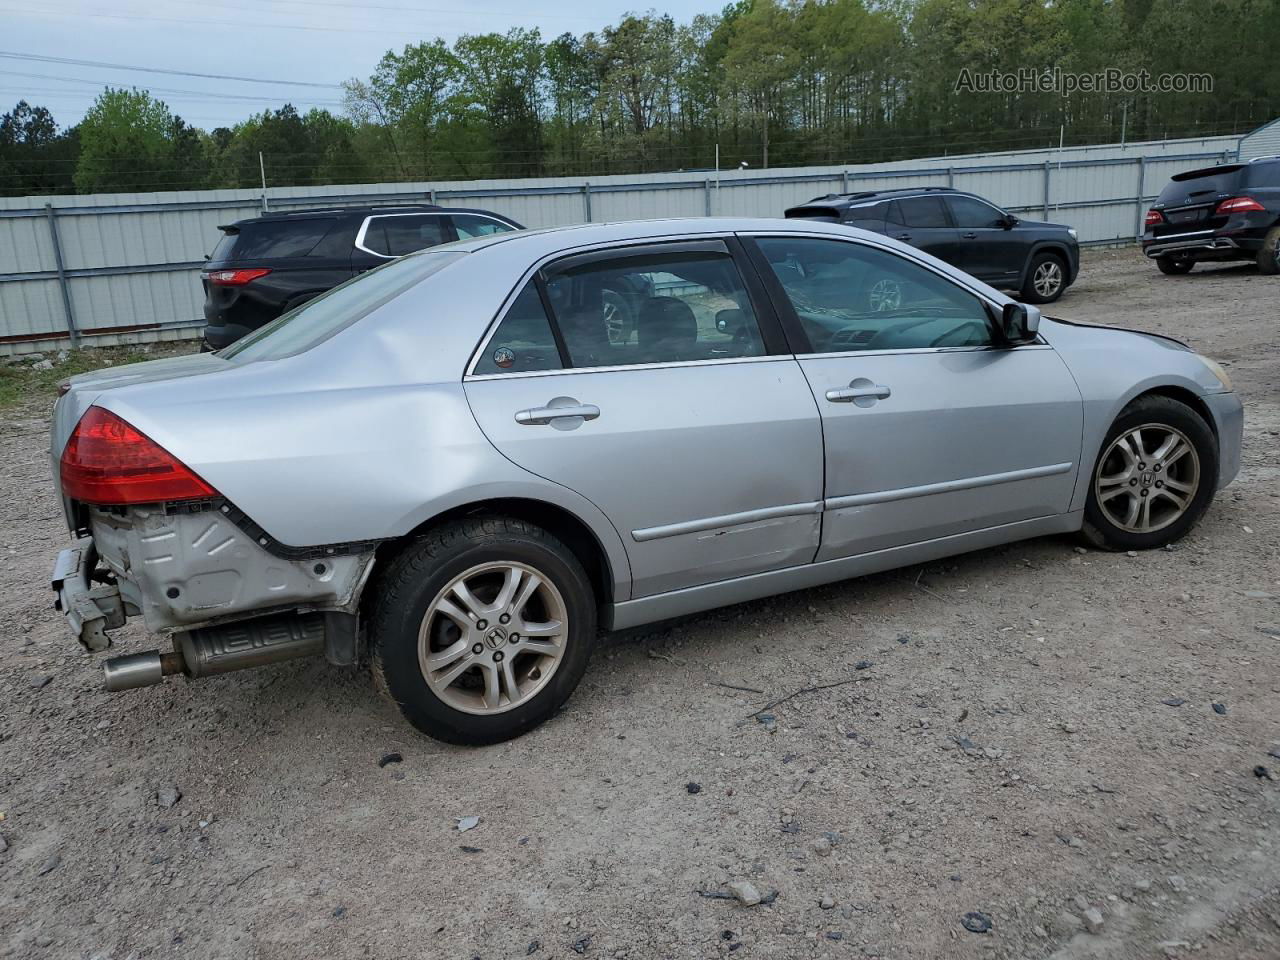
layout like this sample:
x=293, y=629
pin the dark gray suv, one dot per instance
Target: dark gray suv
x=1039, y=260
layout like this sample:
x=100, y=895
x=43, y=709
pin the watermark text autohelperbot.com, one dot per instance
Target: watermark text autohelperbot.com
x=1055, y=80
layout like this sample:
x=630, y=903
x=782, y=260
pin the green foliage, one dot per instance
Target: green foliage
x=771, y=82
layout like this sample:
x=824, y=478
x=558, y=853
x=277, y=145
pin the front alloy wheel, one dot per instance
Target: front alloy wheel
x=1045, y=280
x=1148, y=478
x=1154, y=477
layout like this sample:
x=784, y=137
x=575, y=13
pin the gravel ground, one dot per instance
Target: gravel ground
x=991, y=738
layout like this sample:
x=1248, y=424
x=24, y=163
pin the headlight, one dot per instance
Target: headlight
x=1072, y=231
x=1218, y=372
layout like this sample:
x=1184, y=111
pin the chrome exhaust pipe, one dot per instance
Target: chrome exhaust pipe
x=221, y=649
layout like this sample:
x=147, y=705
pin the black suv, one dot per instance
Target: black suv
x=268, y=265
x=1227, y=212
x=1040, y=260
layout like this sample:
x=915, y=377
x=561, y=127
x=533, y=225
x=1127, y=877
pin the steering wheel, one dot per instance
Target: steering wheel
x=982, y=329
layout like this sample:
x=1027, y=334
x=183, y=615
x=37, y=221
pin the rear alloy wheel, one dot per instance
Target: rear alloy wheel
x=1046, y=279
x=1174, y=267
x=1269, y=255
x=482, y=629
x=618, y=322
x=1154, y=478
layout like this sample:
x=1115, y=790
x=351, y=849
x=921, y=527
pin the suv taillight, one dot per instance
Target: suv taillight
x=1241, y=205
x=108, y=462
x=234, y=278
x=1154, y=218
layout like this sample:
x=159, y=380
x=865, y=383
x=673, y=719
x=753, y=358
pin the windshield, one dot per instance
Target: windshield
x=319, y=319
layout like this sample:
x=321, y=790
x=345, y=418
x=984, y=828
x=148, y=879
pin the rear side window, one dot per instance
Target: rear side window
x=1265, y=174
x=273, y=239
x=396, y=235
x=867, y=217
x=319, y=319
x=923, y=212
x=523, y=341
x=471, y=225
x=653, y=308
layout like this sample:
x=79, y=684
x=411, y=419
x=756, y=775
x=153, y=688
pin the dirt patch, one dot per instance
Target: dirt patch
x=1008, y=752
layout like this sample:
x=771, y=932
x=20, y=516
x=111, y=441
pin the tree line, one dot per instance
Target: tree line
x=768, y=82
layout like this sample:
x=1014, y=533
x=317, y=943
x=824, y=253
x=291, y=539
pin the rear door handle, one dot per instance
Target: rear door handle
x=969, y=236
x=866, y=390
x=904, y=236
x=557, y=410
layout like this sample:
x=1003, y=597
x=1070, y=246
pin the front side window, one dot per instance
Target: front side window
x=848, y=296
x=470, y=225
x=925, y=212
x=654, y=308
x=523, y=340
x=397, y=234
x=972, y=214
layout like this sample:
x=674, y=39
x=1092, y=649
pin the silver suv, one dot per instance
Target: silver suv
x=455, y=469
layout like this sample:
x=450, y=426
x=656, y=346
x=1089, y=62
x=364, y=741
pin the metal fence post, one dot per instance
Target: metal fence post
x=706, y=195
x=1046, y=190
x=844, y=181
x=951, y=178
x=62, y=275
x=586, y=200
x=1138, y=224
x=431, y=196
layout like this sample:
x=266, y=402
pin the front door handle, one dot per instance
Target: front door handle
x=862, y=391
x=969, y=236
x=903, y=236
x=559, y=409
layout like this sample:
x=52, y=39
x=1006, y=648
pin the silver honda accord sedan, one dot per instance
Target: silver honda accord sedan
x=458, y=467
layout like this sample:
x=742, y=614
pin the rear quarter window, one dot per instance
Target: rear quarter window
x=1265, y=174
x=346, y=304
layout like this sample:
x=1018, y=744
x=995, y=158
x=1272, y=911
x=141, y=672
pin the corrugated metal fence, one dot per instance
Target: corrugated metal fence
x=112, y=268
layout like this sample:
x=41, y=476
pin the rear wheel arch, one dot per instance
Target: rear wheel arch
x=569, y=529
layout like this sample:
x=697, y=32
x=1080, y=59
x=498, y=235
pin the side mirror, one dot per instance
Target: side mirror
x=1010, y=221
x=1019, y=322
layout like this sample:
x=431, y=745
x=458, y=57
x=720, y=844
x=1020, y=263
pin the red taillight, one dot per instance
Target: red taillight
x=1154, y=218
x=107, y=461
x=234, y=278
x=1241, y=205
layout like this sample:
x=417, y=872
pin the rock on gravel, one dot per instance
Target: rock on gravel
x=745, y=891
x=1092, y=920
x=167, y=797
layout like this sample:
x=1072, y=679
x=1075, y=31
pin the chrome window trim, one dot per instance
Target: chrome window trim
x=364, y=227
x=986, y=348
x=619, y=367
x=469, y=371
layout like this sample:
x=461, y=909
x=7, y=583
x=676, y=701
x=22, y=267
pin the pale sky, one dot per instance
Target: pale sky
x=304, y=41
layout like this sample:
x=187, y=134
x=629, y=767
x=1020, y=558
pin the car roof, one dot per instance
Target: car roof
x=362, y=210
x=869, y=196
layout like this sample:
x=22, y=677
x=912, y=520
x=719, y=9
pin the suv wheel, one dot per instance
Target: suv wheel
x=482, y=629
x=1154, y=477
x=618, y=321
x=1174, y=267
x=1269, y=255
x=1046, y=279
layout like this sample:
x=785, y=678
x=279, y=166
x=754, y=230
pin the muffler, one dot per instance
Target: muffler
x=221, y=649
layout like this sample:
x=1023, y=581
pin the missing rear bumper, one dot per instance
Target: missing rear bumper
x=91, y=609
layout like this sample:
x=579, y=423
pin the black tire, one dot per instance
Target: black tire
x=1269, y=255
x=1174, y=268
x=1048, y=262
x=619, y=318
x=425, y=568
x=1099, y=529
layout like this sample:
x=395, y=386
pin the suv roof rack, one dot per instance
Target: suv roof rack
x=1269, y=156
x=865, y=194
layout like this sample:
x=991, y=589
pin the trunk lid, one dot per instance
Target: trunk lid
x=1190, y=200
